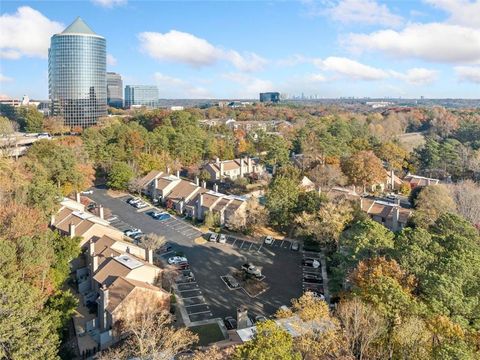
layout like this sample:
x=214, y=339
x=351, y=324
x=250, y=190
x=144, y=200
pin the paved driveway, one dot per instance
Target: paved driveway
x=281, y=266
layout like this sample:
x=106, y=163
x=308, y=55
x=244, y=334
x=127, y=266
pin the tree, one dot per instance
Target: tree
x=152, y=241
x=466, y=195
x=363, y=169
x=394, y=155
x=55, y=125
x=327, y=176
x=431, y=202
x=364, y=328
x=27, y=330
x=270, y=342
x=281, y=199
x=152, y=336
x=30, y=119
x=119, y=176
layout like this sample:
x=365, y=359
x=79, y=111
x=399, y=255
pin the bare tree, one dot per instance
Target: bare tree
x=152, y=241
x=362, y=327
x=135, y=186
x=466, y=195
x=152, y=336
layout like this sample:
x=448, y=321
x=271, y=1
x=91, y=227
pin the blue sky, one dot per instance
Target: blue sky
x=220, y=49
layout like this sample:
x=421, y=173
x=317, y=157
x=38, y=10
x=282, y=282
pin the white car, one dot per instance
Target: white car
x=87, y=192
x=132, y=232
x=177, y=260
x=268, y=240
x=222, y=239
x=213, y=237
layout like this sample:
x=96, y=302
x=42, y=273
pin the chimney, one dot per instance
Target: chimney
x=100, y=212
x=77, y=197
x=197, y=181
x=204, y=184
x=71, y=230
x=395, y=217
x=249, y=165
x=221, y=170
x=217, y=161
x=103, y=305
x=91, y=248
x=199, y=206
x=241, y=167
x=361, y=203
x=177, y=173
x=242, y=318
x=52, y=220
x=392, y=179
x=149, y=256
x=215, y=187
x=168, y=170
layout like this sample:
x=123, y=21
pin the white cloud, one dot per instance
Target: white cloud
x=109, y=3
x=417, y=76
x=4, y=78
x=249, y=86
x=434, y=42
x=468, y=73
x=186, y=48
x=171, y=87
x=26, y=33
x=111, y=60
x=363, y=12
x=462, y=12
x=350, y=68
x=316, y=78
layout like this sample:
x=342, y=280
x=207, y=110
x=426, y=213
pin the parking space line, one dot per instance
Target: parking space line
x=281, y=245
x=250, y=246
x=200, y=312
x=242, y=244
x=234, y=241
x=194, y=305
x=261, y=245
x=192, y=297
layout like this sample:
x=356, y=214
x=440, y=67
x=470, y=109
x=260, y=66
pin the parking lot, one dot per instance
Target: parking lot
x=208, y=296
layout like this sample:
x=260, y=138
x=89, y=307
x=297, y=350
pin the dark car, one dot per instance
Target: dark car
x=231, y=282
x=230, y=323
x=165, y=248
x=182, y=266
x=188, y=276
x=312, y=278
x=311, y=263
x=91, y=206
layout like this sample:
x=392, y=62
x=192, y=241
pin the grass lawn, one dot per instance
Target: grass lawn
x=208, y=333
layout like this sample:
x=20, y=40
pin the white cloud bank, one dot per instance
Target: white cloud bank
x=172, y=87
x=178, y=46
x=462, y=12
x=468, y=73
x=363, y=12
x=109, y=3
x=350, y=68
x=26, y=33
x=435, y=42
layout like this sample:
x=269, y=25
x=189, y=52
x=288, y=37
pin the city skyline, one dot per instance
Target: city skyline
x=360, y=48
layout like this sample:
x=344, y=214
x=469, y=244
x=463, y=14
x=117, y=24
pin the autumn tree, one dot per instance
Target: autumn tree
x=363, y=169
x=152, y=241
x=55, y=125
x=431, y=202
x=394, y=155
x=466, y=195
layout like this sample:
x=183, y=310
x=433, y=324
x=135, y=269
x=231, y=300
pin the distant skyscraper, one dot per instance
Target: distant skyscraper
x=77, y=62
x=114, y=90
x=141, y=95
x=270, y=97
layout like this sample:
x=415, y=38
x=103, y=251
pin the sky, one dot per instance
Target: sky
x=236, y=49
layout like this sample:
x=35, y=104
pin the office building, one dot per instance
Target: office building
x=114, y=90
x=77, y=63
x=141, y=95
x=270, y=97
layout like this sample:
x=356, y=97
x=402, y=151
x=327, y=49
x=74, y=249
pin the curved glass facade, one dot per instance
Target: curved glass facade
x=77, y=78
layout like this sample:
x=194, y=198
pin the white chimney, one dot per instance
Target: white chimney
x=77, y=197
x=217, y=161
x=395, y=217
x=221, y=170
x=100, y=212
x=241, y=167
x=177, y=173
x=250, y=166
x=204, y=184
x=149, y=256
x=199, y=206
x=52, y=220
x=103, y=305
x=215, y=187
x=197, y=180
x=71, y=230
x=91, y=247
x=168, y=171
x=392, y=179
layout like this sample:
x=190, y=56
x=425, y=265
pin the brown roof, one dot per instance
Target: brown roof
x=194, y=199
x=234, y=205
x=182, y=190
x=163, y=183
x=109, y=270
x=210, y=199
x=385, y=211
x=420, y=180
x=121, y=287
x=67, y=216
x=149, y=177
x=103, y=248
x=219, y=206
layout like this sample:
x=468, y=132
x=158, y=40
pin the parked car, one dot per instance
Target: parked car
x=174, y=260
x=314, y=263
x=112, y=218
x=312, y=278
x=252, y=270
x=268, y=240
x=295, y=246
x=87, y=192
x=222, y=239
x=132, y=232
x=165, y=248
x=91, y=206
x=43, y=136
x=137, y=237
x=230, y=323
x=231, y=282
x=140, y=205
x=132, y=200
x=155, y=214
x=213, y=237
x=260, y=318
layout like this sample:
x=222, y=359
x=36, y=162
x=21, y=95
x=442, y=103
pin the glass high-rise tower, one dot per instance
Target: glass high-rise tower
x=114, y=90
x=77, y=63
